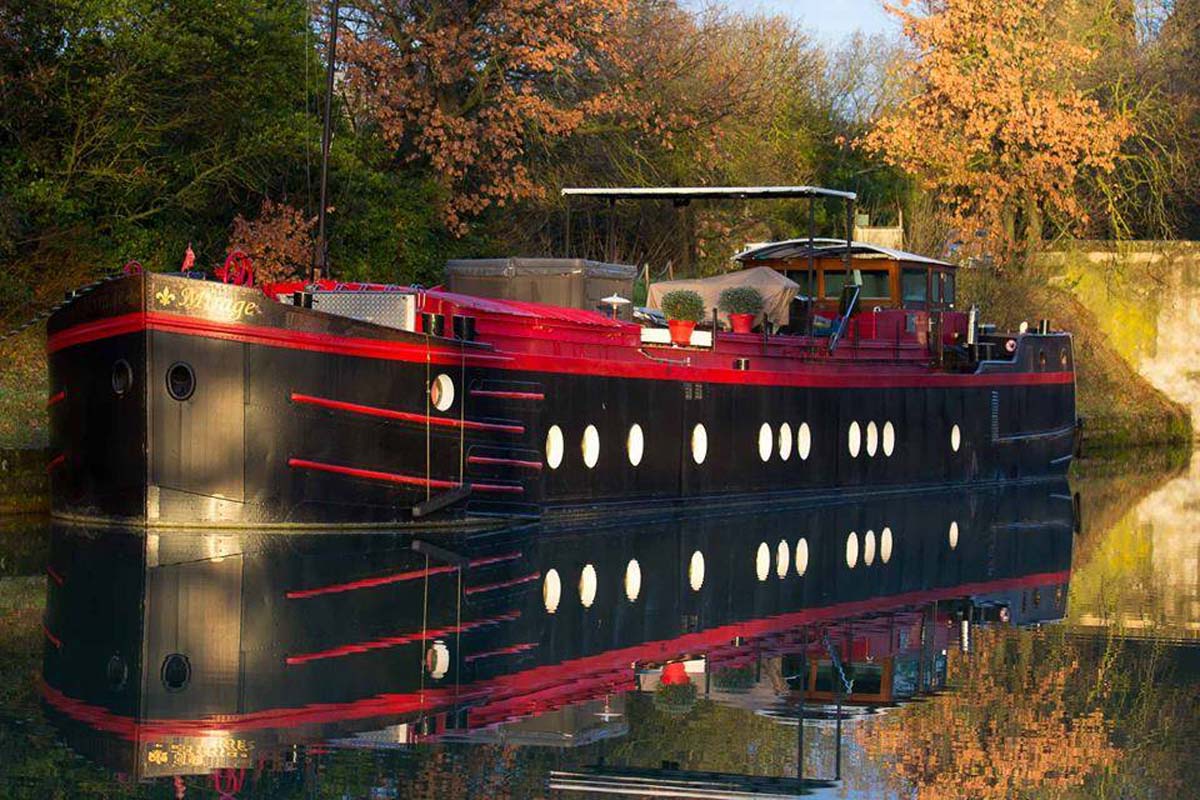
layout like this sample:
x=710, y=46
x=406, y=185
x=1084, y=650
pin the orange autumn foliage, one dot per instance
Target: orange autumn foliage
x=1006, y=731
x=469, y=87
x=995, y=124
x=279, y=241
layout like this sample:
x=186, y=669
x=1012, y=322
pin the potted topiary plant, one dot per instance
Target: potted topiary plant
x=742, y=304
x=684, y=308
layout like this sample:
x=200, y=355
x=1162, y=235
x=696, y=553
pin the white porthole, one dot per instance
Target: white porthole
x=801, y=556
x=587, y=586
x=872, y=439
x=554, y=446
x=889, y=438
x=696, y=571
x=437, y=660
x=441, y=392
x=952, y=535
x=869, y=548
x=852, y=550
x=955, y=438
x=699, y=443
x=633, y=580
x=803, y=441
x=885, y=545
x=783, y=555
x=854, y=439
x=635, y=444
x=766, y=442
x=590, y=445
x=785, y=441
x=762, y=562
x=551, y=591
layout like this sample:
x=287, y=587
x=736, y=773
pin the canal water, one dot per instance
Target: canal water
x=1036, y=640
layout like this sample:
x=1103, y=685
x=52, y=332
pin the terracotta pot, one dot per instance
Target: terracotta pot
x=681, y=331
x=741, y=323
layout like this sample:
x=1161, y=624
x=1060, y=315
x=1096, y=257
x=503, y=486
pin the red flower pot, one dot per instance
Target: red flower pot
x=681, y=331
x=742, y=323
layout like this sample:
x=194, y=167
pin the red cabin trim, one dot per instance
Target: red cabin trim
x=396, y=477
x=404, y=416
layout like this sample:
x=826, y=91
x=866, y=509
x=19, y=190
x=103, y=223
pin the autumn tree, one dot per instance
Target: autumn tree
x=279, y=240
x=995, y=124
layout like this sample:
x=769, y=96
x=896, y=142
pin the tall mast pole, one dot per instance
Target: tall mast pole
x=321, y=259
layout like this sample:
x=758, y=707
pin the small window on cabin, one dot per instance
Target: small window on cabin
x=913, y=286
x=875, y=285
x=800, y=276
x=948, y=288
x=833, y=283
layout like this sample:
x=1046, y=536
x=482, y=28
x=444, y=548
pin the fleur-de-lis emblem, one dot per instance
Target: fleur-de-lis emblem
x=165, y=297
x=157, y=756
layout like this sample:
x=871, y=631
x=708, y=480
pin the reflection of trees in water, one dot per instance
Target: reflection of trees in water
x=1043, y=712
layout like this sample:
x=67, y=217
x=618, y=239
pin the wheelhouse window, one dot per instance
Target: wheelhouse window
x=944, y=287
x=834, y=281
x=913, y=287
x=875, y=285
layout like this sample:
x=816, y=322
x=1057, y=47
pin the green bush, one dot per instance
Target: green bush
x=740, y=300
x=683, y=304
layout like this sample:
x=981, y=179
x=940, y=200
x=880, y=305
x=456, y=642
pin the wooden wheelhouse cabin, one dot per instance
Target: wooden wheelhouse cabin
x=890, y=279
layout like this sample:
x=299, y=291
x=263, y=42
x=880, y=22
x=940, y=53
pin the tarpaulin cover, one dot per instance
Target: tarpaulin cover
x=777, y=291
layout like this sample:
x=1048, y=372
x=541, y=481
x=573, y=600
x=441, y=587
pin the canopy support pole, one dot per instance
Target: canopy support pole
x=812, y=230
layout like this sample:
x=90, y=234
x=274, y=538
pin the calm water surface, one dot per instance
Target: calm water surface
x=1036, y=641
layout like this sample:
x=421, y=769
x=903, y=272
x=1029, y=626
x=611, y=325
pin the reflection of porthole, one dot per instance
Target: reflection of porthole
x=766, y=442
x=116, y=673
x=633, y=580
x=587, y=586
x=852, y=550
x=554, y=446
x=762, y=562
x=176, y=672
x=854, y=439
x=441, y=392
x=952, y=535
x=551, y=591
x=803, y=441
x=889, y=438
x=696, y=571
x=699, y=443
x=635, y=444
x=801, y=557
x=122, y=377
x=885, y=545
x=872, y=438
x=181, y=381
x=955, y=438
x=590, y=446
x=869, y=548
x=437, y=660
x=785, y=441
x=782, y=559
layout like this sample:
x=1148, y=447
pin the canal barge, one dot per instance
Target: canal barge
x=180, y=400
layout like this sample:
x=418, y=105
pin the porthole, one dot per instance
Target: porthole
x=889, y=438
x=762, y=562
x=587, y=586
x=181, y=381
x=554, y=447
x=699, y=443
x=885, y=545
x=696, y=571
x=869, y=548
x=441, y=392
x=952, y=535
x=122, y=377
x=801, y=556
x=854, y=439
x=852, y=550
x=872, y=439
x=635, y=444
x=176, y=672
x=955, y=438
x=783, y=555
x=590, y=446
x=766, y=442
x=785, y=441
x=551, y=591
x=437, y=660
x=633, y=580
x=803, y=441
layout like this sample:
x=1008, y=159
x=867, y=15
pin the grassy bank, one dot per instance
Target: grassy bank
x=1121, y=409
x=23, y=391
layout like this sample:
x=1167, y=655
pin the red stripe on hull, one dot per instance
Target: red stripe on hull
x=395, y=477
x=489, y=587
x=396, y=641
x=504, y=462
x=536, y=396
x=54, y=576
x=56, y=398
x=503, y=651
x=54, y=640
x=367, y=583
x=404, y=416
x=56, y=462
x=618, y=364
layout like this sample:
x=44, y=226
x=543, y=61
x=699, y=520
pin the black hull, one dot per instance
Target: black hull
x=289, y=425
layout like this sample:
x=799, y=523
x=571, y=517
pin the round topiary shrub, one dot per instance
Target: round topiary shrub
x=740, y=300
x=683, y=304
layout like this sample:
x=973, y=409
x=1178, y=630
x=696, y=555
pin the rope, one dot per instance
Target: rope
x=847, y=684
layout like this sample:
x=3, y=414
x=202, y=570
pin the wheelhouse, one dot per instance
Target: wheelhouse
x=889, y=278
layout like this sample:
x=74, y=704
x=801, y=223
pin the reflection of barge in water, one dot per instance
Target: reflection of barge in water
x=226, y=646
x=178, y=401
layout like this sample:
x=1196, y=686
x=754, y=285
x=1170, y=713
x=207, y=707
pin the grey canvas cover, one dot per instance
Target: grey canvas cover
x=775, y=287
